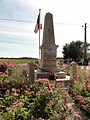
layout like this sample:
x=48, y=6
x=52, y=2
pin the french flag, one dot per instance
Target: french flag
x=38, y=25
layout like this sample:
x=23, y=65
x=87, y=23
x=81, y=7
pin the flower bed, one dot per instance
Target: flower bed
x=41, y=100
x=81, y=92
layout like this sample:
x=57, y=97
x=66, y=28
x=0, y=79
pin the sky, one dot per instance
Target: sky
x=17, y=38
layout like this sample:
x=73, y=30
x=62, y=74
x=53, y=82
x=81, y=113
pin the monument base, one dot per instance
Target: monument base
x=40, y=74
x=61, y=75
x=52, y=69
x=45, y=74
x=67, y=79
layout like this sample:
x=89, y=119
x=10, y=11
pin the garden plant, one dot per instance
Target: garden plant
x=41, y=100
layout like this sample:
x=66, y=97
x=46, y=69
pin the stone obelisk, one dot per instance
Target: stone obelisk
x=48, y=47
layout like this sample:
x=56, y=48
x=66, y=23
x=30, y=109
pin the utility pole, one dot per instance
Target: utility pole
x=85, y=43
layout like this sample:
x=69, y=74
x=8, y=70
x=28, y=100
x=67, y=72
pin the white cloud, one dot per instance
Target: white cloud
x=8, y=45
x=64, y=11
x=22, y=34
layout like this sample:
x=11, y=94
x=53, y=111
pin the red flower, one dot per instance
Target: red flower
x=18, y=90
x=48, y=84
x=53, y=87
x=64, y=102
x=50, y=90
x=56, y=83
x=19, y=101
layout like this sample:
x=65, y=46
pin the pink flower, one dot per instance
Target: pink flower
x=20, y=105
x=67, y=107
x=88, y=88
x=68, y=96
x=25, y=86
x=5, y=75
x=40, y=118
x=1, y=73
x=66, y=118
x=78, y=77
x=14, y=103
x=51, y=102
x=53, y=87
x=7, y=95
x=18, y=90
x=80, y=99
x=8, y=108
x=78, y=117
x=31, y=92
x=14, y=89
x=4, y=81
x=61, y=85
x=37, y=94
x=15, y=94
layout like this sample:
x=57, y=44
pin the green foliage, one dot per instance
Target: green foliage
x=20, y=101
x=42, y=99
x=81, y=91
x=85, y=93
x=73, y=51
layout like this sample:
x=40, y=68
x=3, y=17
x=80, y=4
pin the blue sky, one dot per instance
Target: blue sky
x=17, y=39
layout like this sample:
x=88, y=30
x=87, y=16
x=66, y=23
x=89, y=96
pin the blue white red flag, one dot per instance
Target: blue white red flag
x=38, y=24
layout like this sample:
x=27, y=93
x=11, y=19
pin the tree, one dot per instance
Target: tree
x=73, y=51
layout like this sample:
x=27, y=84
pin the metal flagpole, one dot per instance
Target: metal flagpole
x=39, y=34
x=85, y=44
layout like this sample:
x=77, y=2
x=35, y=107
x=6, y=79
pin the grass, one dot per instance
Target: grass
x=17, y=60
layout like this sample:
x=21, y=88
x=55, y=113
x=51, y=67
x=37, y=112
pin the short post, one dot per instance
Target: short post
x=89, y=65
x=73, y=70
x=30, y=71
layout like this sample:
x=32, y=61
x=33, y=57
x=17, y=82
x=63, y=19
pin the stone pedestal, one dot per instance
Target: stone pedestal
x=30, y=71
x=48, y=57
x=48, y=47
x=73, y=70
x=61, y=75
x=39, y=74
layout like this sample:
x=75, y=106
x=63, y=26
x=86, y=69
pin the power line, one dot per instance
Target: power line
x=68, y=24
x=16, y=20
x=29, y=21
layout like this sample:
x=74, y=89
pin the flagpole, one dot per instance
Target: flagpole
x=39, y=34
